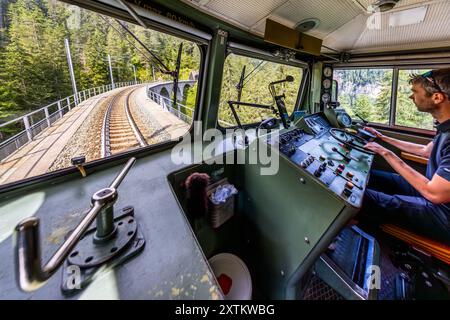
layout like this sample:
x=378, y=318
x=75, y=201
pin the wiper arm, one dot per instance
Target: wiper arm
x=176, y=74
x=136, y=17
x=254, y=69
x=240, y=85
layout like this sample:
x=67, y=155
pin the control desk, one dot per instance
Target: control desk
x=332, y=156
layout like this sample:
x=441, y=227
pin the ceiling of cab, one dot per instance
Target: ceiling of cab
x=345, y=25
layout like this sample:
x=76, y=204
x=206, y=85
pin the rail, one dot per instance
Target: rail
x=167, y=103
x=33, y=123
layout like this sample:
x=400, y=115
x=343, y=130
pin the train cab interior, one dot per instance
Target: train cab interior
x=260, y=197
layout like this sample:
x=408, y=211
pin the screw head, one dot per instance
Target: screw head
x=307, y=240
x=302, y=180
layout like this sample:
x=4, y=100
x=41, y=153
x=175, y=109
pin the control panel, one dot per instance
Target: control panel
x=340, y=168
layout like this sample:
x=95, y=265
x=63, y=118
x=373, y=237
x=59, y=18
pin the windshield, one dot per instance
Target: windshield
x=76, y=86
x=259, y=74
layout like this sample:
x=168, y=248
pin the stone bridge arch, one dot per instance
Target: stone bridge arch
x=165, y=89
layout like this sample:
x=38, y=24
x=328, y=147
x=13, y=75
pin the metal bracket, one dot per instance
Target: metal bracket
x=87, y=258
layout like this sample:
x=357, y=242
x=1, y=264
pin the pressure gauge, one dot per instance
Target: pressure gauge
x=344, y=120
x=326, y=84
x=327, y=72
x=326, y=98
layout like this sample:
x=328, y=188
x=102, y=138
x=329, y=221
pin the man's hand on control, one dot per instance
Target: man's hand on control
x=375, y=147
x=374, y=132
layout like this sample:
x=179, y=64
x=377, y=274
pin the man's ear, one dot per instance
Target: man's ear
x=438, y=97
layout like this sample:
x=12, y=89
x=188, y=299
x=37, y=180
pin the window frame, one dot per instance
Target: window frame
x=201, y=39
x=393, y=102
x=254, y=53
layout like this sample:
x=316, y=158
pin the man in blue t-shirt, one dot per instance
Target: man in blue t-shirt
x=409, y=199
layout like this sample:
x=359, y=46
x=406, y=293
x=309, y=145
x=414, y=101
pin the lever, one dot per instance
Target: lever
x=346, y=157
x=362, y=119
x=30, y=274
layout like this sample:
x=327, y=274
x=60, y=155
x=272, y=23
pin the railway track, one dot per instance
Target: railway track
x=119, y=130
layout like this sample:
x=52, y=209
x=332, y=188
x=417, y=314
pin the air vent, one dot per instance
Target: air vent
x=307, y=24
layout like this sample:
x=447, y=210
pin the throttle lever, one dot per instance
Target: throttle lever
x=30, y=273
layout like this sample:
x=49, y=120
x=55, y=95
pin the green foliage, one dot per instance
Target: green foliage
x=367, y=92
x=33, y=64
x=407, y=114
x=256, y=87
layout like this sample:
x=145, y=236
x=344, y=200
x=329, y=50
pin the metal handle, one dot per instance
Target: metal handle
x=29, y=271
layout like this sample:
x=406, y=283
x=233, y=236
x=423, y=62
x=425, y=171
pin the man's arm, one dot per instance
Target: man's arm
x=414, y=148
x=436, y=190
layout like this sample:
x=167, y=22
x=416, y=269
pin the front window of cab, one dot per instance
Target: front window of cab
x=258, y=75
x=118, y=99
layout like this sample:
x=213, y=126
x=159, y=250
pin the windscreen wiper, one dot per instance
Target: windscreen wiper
x=174, y=73
x=240, y=85
x=251, y=72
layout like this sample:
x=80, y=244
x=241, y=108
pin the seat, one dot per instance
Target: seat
x=438, y=250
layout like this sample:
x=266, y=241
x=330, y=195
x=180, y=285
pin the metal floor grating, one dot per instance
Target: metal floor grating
x=319, y=290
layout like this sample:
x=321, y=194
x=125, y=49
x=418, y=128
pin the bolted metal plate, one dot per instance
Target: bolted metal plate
x=87, y=254
x=77, y=277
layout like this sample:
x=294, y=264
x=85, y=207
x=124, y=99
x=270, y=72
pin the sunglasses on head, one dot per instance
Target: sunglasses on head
x=429, y=76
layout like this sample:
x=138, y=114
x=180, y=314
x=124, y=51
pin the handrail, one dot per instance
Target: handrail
x=50, y=113
x=167, y=103
x=168, y=106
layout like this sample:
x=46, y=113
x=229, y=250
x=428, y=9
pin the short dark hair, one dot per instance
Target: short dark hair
x=441, y=78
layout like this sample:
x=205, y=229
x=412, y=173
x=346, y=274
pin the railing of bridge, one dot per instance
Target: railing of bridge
x=30, y=125
x=167, y=104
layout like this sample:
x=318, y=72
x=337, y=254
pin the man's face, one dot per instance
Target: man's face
x=423, y=101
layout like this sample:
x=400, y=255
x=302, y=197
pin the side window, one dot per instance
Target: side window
x=74, y=84
x=366, y=92
x=406, y=113
x=258, y=75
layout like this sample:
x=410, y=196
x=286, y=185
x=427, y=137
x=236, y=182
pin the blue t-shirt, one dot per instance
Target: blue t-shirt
x=439, y=161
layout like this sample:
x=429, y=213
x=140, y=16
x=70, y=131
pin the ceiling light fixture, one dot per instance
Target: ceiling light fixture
x=307, y=24
x=382, y=6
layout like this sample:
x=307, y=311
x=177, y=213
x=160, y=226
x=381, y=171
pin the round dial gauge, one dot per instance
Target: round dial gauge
x=344, y=120
x=326, y=84
x=327, y=72
x=326, y=98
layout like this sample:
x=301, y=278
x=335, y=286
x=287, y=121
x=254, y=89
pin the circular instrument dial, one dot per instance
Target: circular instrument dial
x=344, y=120
x=327, y=72
x=326, y=98
x=326, y=83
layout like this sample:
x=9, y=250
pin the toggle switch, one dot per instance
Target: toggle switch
x=349, y=185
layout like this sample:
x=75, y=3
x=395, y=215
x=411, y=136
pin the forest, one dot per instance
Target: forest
x=33, y=63
x=367, y=92
x=34, y=70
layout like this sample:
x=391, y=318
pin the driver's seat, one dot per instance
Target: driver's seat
x=436, y=249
